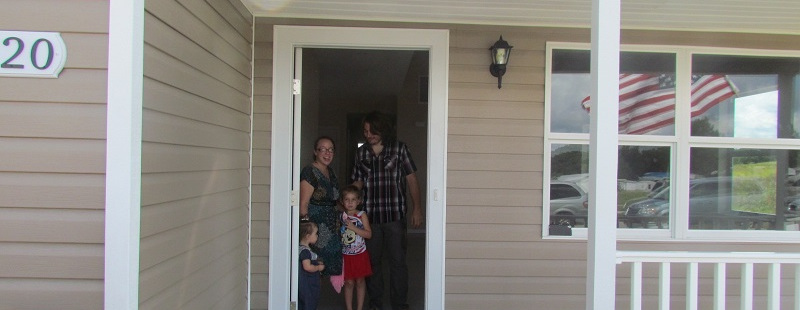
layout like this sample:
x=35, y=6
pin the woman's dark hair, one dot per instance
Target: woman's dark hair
x=380, y=124
x=306, y=228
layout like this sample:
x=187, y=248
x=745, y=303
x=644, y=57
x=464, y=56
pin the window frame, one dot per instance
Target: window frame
x=680, y=144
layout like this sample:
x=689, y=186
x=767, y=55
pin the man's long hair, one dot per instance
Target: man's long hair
x=380, y=124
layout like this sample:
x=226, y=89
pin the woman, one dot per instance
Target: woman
x=319, y=191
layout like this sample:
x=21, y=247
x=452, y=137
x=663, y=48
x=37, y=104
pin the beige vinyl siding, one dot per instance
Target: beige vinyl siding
x=494, y=182
x=262, y=157
x=495, y=255
x=195, y=155
x=52, y=164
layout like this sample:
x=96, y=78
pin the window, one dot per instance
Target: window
x=714, y=150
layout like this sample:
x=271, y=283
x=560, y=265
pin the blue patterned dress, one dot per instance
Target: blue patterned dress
x=322, y=210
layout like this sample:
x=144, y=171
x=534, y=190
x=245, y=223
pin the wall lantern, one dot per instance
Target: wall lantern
x=500, y=52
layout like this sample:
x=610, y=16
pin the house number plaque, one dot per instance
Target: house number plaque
x=31, y=54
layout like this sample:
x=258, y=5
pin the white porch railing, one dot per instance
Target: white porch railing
x=719, y=260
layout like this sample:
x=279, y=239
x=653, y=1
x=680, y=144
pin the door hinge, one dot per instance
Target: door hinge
x=295, y=87
x=294, y=198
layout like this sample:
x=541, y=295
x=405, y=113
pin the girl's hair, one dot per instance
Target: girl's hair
x=350, y=189
x=306, y=228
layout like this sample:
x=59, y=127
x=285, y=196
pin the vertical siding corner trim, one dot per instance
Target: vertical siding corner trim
x=123, y=154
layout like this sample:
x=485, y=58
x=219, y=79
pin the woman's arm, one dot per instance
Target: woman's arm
x=306, y=189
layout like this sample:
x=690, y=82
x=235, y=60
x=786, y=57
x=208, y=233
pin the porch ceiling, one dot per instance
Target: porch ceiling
x=749, y=16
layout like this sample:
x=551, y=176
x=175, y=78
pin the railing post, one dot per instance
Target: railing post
x=796, y=286
x=665, y=276
x=636, y=286
x=691, y=286
x=747, y=286
x=774, y=287
x=720, y=281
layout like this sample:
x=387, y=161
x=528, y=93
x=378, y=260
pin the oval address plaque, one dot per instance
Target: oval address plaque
x=31, y=54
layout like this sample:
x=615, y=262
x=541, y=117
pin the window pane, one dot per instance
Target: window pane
x=739, y=189
x=569, y=173
x=643, y=171
x=643, y=187
x=647, y=92
x=745, y=96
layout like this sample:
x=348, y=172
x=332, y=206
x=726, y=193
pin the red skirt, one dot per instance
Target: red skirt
x=357, y=266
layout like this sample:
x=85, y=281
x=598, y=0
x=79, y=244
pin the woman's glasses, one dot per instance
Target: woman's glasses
x=324, y=150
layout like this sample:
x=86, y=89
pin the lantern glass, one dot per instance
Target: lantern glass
x=500, y=55
x=500, y=52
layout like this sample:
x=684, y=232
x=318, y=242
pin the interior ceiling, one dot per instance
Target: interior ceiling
x=349, y=72
x=748, y=16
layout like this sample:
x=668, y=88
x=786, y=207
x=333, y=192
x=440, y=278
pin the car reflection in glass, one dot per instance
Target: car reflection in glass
x=569, y=203
x=710, y=201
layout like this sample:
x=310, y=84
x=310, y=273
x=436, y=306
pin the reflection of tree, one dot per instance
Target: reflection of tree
x=752, y=156
x=636, y=160
x=570, y=162
x=704, y=161
x=794, y=158
x=703, y=127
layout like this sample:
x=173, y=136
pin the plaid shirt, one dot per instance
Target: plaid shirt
x=384, y=179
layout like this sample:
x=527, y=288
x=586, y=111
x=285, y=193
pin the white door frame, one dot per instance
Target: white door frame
x=286, y=39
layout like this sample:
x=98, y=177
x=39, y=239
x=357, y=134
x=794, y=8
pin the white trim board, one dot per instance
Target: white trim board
x=286, y=39
x=123, y=154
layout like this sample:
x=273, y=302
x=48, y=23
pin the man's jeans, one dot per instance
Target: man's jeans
x=391, y=238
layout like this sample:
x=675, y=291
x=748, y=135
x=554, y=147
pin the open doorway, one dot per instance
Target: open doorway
x=340, y=86
x=285, y=145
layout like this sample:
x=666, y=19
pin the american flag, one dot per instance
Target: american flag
x=647, y=102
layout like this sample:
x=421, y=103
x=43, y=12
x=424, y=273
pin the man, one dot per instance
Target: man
x=385, y=171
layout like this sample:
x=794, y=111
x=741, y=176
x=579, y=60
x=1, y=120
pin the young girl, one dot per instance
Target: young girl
x=355, y=229
x=309, y=279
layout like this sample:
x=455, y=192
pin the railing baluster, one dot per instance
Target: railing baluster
x=796, y=286
x=746, y=260
x=636, y=286
x=774, y=287
x=664, y=278
x=747, y=286
x=691, y=286
x=720, y=282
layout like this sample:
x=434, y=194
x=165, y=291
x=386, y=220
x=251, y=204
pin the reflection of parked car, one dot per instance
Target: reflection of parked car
x=654, y=176
x=568, y=201
x=708, y=197
x=793, y=205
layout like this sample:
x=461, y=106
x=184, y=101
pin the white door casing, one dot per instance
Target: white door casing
x=284, y=177
x=296, y=136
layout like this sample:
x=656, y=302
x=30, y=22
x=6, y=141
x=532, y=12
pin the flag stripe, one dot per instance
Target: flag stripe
x=646, y=122
x=643, y=117
x=659, y=100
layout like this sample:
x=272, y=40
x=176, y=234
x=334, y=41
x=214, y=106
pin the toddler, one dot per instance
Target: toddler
x=308, y=285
